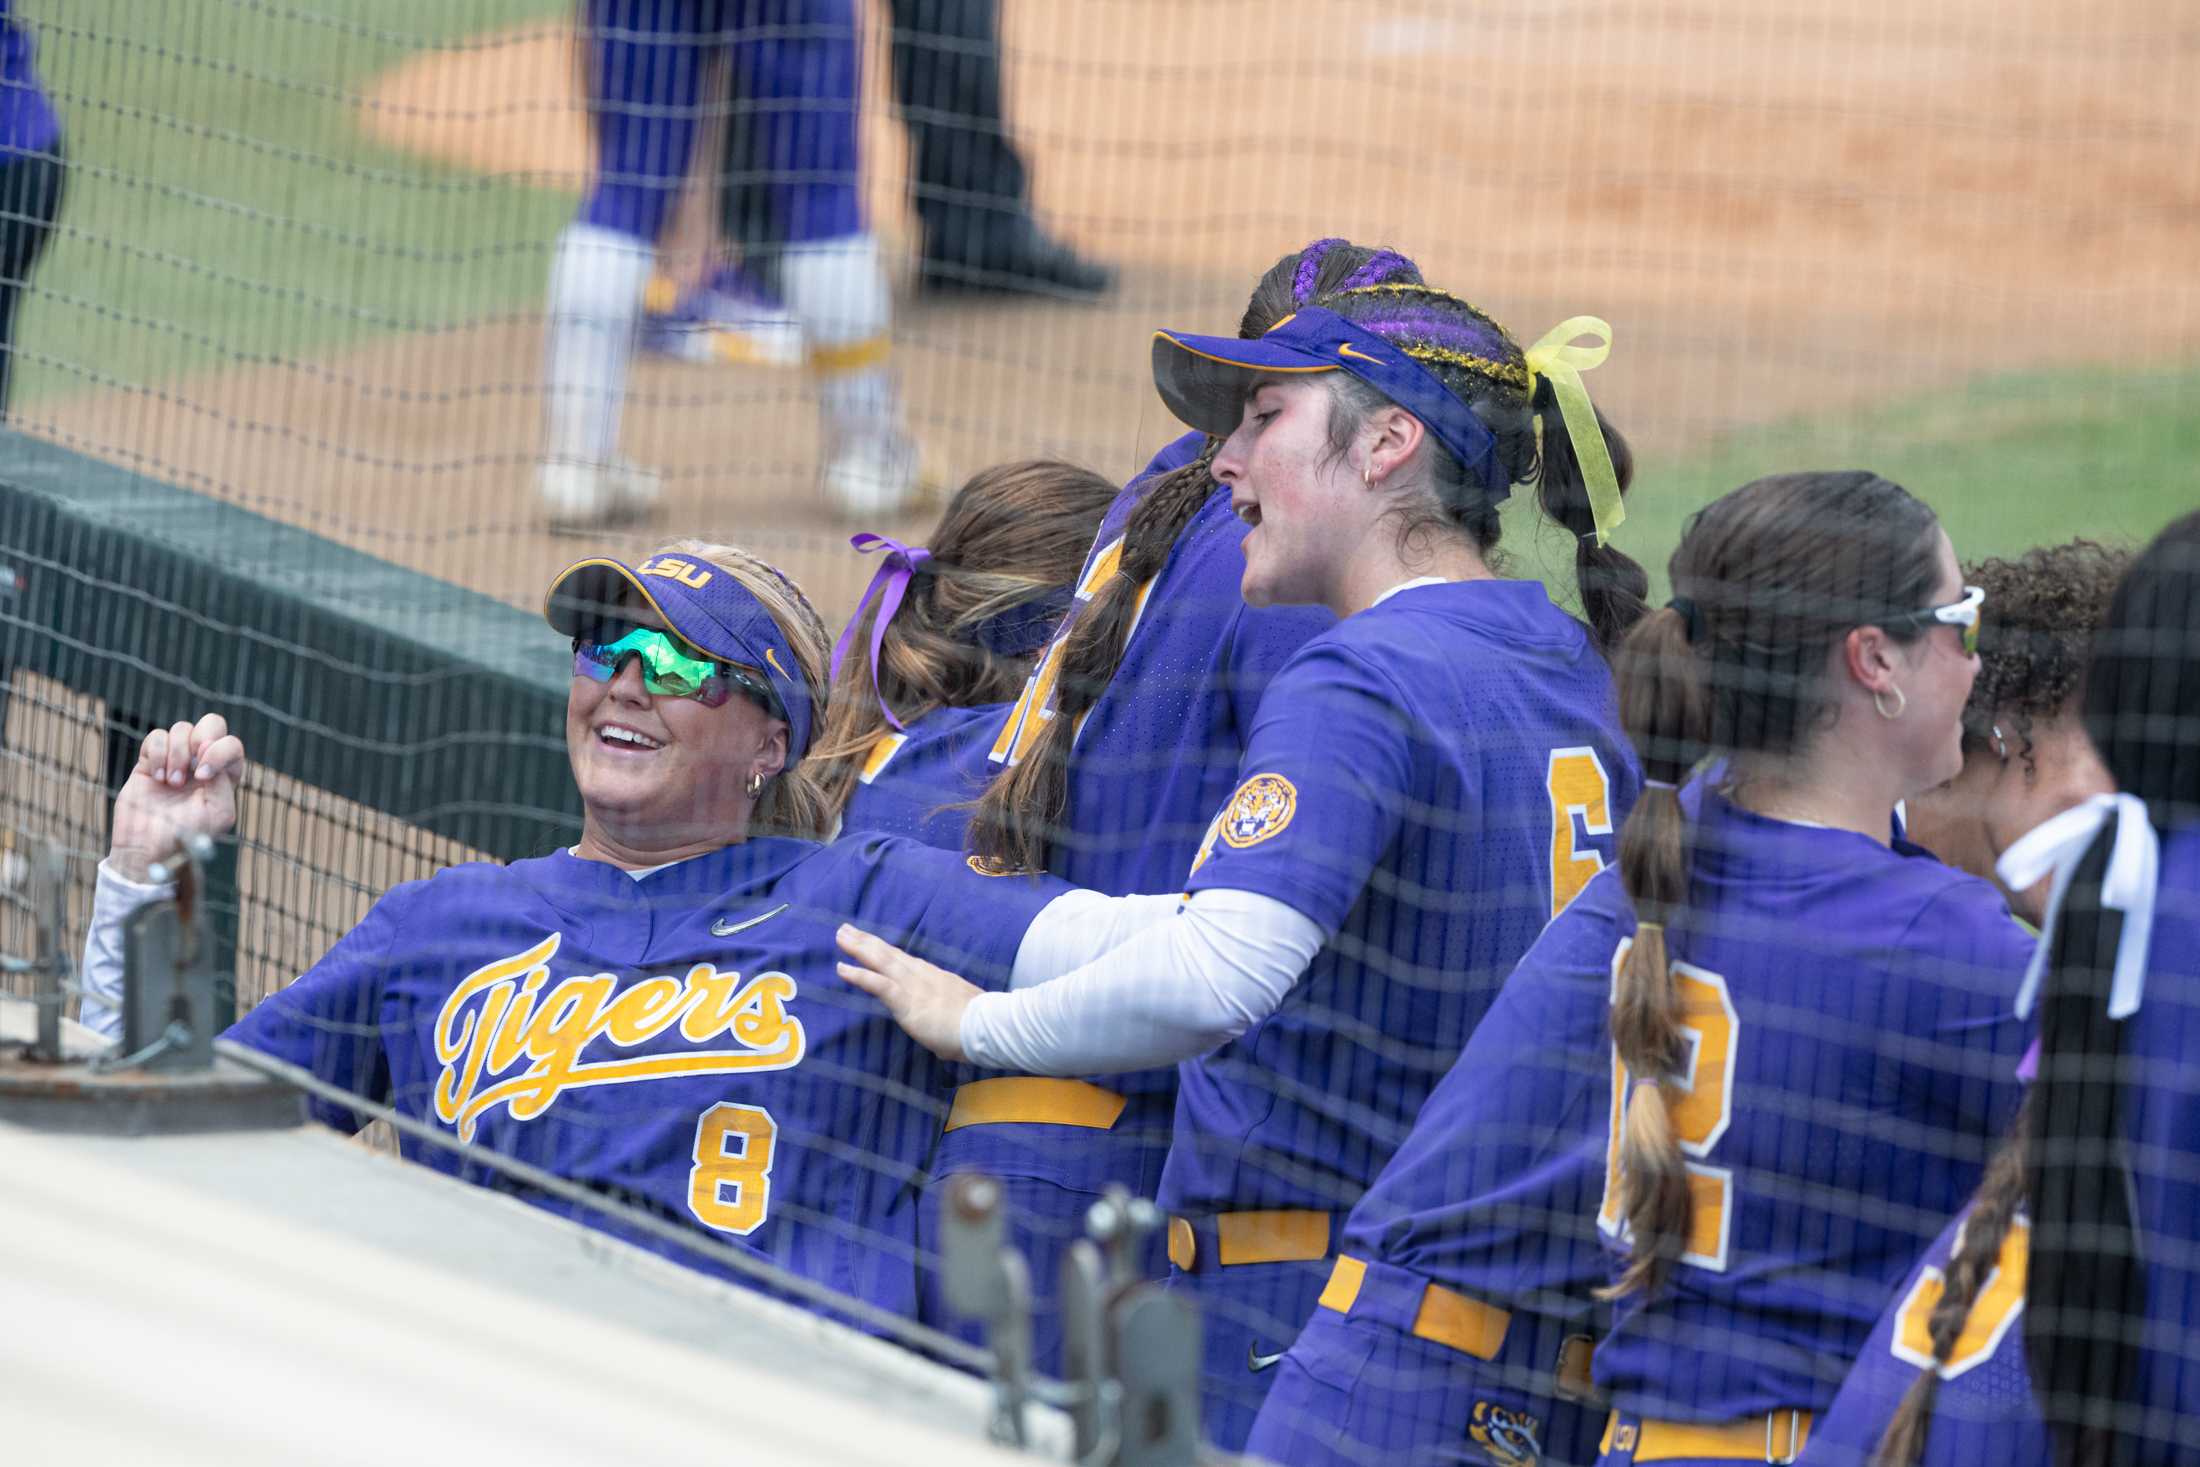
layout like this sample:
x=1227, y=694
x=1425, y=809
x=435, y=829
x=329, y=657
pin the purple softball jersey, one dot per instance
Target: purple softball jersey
x=920, y=782
x=1428, y=781
x=1851, y=1052
x=680, y=1041
x=1154, y=758
x=1985, y=1410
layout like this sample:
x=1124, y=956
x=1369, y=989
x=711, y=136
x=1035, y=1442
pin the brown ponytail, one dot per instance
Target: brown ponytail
x=1020, y=816
x=1014, y=535
x=1666, y=711
x=1993, y=1213
x=1767, y=579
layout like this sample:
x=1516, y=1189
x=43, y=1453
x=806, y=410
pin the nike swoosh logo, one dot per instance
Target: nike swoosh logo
x=723, y=928
x=1257, y=1362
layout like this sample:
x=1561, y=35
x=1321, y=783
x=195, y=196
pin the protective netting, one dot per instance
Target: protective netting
x=443, y=282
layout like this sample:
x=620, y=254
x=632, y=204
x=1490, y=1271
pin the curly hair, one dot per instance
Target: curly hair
x=2042, y=608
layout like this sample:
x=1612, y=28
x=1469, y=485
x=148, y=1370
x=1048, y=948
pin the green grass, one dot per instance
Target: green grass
x=2008, y=461
x=224, y=206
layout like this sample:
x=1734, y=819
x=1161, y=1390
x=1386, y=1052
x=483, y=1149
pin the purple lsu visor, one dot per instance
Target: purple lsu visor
x=703, y=605
x=1206, y=379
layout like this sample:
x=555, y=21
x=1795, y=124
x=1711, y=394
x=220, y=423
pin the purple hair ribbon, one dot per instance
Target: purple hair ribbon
x=1563, y=363
x=889, y=584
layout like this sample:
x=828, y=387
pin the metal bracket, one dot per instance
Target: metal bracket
x=168, y=973
x=1157, y=1356
x=989, y=1281
x=33, y=877
x=1131, y=1347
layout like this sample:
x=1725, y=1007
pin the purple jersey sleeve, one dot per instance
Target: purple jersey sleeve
x=330, y=1020
x=27, y=121
x=1964, y=1037
x=963, y=920
x=1319, y=788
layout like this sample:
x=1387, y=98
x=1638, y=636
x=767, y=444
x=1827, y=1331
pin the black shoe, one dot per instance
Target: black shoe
x=1026, y=262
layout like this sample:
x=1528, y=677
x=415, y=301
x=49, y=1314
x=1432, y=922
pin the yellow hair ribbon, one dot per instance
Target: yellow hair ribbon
x=1557, y=358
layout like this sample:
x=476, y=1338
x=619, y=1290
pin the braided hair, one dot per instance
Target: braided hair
x=1478, y=361
x=2085, y=1298
x=1021, y=813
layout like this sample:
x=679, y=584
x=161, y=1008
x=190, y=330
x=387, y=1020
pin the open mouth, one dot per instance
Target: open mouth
x=1248, y=511
x=618, y=736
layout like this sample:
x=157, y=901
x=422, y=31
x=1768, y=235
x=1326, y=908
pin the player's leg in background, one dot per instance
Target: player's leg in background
x=970, y=187
x=795, y=63
x=31, y=186
x=733, y=313
x=644, y=63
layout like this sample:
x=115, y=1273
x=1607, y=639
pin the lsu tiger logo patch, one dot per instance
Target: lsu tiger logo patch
x=1509, y=1437
x=1262, y=807
x=987, y=866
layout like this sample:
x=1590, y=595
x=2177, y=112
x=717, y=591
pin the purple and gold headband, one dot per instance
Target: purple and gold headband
x=1206, y=379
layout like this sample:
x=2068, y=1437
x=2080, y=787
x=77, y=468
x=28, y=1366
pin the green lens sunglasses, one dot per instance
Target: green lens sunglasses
x=668, y=670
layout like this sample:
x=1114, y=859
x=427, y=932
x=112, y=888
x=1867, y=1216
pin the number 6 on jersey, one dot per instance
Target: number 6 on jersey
x=1578, y=786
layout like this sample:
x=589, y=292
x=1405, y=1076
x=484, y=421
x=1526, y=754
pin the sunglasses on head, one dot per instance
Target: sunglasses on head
x=1964, y=614
x=670, y=670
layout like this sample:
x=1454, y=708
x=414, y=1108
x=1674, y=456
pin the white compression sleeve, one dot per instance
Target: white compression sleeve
x=114, y=898
x=1178, y=989
x=1078, y=926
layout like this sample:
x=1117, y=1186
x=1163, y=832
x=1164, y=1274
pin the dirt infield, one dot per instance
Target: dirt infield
x=1782, y=206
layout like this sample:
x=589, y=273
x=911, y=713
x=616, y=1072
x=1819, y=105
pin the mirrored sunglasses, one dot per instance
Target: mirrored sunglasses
x=671, y=671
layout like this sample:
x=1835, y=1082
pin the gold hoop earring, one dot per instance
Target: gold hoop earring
x=1901, y=704
x=1367, y=477
x=755, y=784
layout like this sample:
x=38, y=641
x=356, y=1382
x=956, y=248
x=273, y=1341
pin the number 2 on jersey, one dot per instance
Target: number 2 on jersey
x=730, y=1187
x=1701, y=1103
x=1577, y=785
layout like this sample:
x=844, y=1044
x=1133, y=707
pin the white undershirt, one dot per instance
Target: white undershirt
x=637, y=872
x=1407, y=586
x=1178, y=988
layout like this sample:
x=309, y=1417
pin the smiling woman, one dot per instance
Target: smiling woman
x=1423, y=785
x=652, y=1012
x=662, y=749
